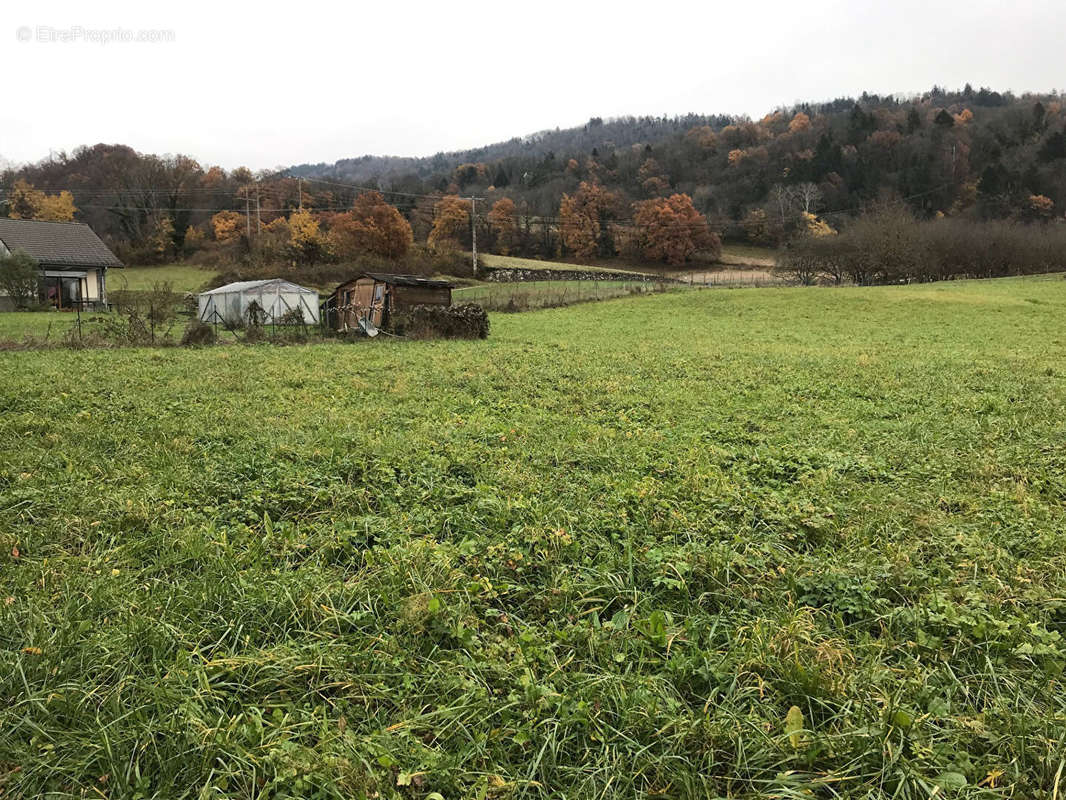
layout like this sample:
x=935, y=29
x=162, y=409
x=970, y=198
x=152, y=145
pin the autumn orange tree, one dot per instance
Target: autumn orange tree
x=226, y=226
x=451, y=222
x=651, y=177
x=23, y=200
x=307, y=244
x=194, y=238
x=1039, y=207
x=57, y=207
x=579, y=231
x=812, y=226
x=28, y=202
x=801, y=122
x=670, y=229
x=274, y=241
x=504, y=224
x=469, y=173
x=582, y=221
x=372, y=226
x=159, y=243
x=702, y=137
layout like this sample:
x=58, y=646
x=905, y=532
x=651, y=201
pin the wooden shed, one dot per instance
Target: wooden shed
x=371, y=298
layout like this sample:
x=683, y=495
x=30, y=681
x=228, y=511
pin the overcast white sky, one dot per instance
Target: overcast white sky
x=278, y=84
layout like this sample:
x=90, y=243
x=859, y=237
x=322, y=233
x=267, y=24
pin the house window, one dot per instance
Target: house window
x=379, y=292
x=61, y=292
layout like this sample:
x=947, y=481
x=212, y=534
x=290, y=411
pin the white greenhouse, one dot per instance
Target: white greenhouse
x=268, y=301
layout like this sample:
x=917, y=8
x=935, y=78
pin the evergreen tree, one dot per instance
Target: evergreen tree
x=1038, y=115
x=914, y=119
x=859, y=125
x=1054, y=147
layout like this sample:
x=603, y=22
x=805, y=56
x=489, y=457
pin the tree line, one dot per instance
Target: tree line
x=327, y=227
x=891, y=245
x=650, y=189
x=972, y=153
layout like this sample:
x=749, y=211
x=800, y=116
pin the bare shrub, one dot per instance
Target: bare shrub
x=197, y=333
x=294, y=316
x=142, y=317
x=890, y=246
x=802, y=262
x=291, y=326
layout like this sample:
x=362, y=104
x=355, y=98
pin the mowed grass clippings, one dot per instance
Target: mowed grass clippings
x=750, y=543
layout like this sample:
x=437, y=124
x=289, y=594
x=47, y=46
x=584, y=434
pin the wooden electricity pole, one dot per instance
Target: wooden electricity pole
x=473, y=230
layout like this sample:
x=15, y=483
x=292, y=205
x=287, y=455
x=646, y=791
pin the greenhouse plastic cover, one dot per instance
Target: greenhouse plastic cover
x=229, y=303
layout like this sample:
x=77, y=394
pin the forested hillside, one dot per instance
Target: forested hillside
x=597, y=134
x=970, y=151
x=624, y=186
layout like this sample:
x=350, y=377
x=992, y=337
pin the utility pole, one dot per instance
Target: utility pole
x=300, y=190
x=247, y=217
x=473, y=230
x=258, y=218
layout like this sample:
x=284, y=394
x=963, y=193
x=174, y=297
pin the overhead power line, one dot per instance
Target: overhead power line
x=415, y=212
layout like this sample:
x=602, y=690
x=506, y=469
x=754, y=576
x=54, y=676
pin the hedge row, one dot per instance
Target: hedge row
x=893, y=247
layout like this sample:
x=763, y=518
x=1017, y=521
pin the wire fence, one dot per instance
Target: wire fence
x=164, y=318
x=530, y=295
x=733, y=278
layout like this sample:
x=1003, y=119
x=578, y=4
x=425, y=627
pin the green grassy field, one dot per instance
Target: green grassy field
x=182, y=277
x=754, y=543
x=16, y=325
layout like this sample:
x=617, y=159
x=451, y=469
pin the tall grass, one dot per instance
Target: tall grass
x=705, y=544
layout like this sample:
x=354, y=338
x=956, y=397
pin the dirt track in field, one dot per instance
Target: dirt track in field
x=736, y=260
